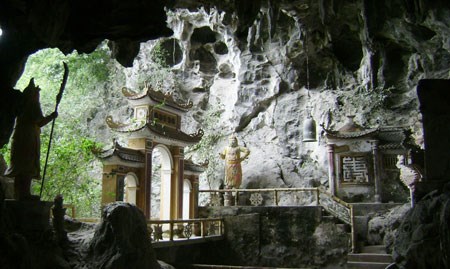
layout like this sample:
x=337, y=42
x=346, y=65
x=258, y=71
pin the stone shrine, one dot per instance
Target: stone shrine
x=127, y=170
x=363, y=162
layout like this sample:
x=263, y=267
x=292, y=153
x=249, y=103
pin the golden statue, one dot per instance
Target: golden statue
x=233, y=159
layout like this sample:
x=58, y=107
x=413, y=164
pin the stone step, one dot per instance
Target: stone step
x=369, y=257
x=367, y=265
x=380, y=249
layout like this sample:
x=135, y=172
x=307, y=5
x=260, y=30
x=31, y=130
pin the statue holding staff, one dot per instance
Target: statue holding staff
x=26, y=143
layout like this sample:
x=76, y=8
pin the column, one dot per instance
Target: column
x=376, y=171
x=179, y=179
x=434, y=99
x=195, y=188
x=148, y=178
x=331, y=169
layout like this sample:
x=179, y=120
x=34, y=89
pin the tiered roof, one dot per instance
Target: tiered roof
x=147, y=128
x=152, y=129
x=119, y=154
x=157, y=97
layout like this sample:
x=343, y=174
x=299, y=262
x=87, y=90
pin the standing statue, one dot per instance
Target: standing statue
x=26, y=143
x=233, y=159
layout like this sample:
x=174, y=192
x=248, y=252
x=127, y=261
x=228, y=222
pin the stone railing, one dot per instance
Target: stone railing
x=189, y=229
x=255, y=196
x=332, y=204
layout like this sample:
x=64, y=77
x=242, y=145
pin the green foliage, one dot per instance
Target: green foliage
x=4, y=151
x=72, y=168
x=159, y=73
x=206, y=149
x=69, y=173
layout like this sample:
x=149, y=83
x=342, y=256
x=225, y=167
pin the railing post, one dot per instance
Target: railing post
x=171, y=230
x=317, y=196
x=220, y=227
x=275, y=197
x=353, y=235
x=202, y=228
x=236, y=198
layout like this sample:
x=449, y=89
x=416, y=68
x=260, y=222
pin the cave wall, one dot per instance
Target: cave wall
x=358, y=57
x=256, y=63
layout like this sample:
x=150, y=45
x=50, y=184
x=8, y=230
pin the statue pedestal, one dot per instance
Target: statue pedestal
x=29, y=216
x=228, y=198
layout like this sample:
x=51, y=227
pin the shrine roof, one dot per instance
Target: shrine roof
x=350, y=135
x=123, y=153
x=189, y=165
x=155, y=129
x=392, y=146
x=350, y=130
x=158, y=97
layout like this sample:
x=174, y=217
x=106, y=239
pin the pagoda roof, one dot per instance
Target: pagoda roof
x=190, y=166
x=158, y=97
x=156, y=129
x=350, y=130
x=119, y=153
x=390, y=138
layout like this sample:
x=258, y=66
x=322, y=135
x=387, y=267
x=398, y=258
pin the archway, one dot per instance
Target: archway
x=130, y=187
x=187, y=189
x=161, y=183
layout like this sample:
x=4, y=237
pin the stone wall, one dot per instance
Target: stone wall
x=268, y=237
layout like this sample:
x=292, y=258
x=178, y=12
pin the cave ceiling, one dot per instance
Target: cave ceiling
x=81, y=25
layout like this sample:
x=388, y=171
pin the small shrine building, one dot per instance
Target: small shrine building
x=127, y=170
x=363, y=162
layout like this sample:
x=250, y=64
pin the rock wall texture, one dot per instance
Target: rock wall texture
x=254, y=70
x=286, y=237
x=422, y=240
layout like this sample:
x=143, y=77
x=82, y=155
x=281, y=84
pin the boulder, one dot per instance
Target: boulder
x=121, y=240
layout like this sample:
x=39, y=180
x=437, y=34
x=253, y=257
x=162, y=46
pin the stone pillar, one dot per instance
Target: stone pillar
x=331, y=169
x=179, y=173
x=228, y=198
x=376, y=171
x=195, y=188
x=148, y=178
x=434, y=98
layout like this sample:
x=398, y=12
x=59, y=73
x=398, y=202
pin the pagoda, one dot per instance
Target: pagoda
x=127, y=169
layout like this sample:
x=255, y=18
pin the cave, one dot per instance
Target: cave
x=367, y=174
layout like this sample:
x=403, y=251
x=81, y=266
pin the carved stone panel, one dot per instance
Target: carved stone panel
x=354, y=168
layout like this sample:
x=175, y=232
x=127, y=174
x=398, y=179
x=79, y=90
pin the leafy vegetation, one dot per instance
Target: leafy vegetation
x=158, y=73
x=205, y=150
x=72, y=168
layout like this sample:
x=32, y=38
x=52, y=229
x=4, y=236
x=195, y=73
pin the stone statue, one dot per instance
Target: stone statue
x=233, y=159
x=26, y=144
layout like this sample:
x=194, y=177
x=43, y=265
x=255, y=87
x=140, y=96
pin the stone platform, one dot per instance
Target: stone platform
x=28, y=216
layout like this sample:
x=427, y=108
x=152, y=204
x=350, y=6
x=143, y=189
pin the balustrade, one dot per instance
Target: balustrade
x=173, y=230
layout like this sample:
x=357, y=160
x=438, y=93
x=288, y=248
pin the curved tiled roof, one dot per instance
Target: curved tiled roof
x=155, y=128
x=126, y=154
x=189, y=165
x=157, y=96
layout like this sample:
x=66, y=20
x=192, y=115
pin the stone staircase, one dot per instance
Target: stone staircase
x=371, y=257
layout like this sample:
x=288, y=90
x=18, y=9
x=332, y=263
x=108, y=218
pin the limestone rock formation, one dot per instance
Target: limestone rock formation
x=338, y=56
x=422, y=239
x=121, y=240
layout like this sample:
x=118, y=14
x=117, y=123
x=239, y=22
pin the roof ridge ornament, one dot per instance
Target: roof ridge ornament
x=166, y=98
